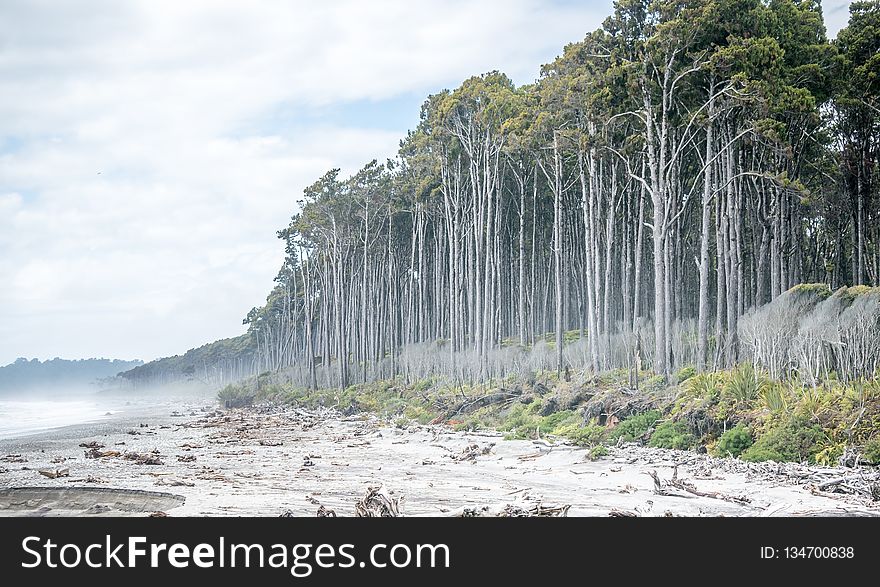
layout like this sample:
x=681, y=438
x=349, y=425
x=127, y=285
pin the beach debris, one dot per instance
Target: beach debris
x=616, y=513
x=472, y=451
x=158, y=515
x=287, y=514
x=186, y=458
x=323, y=511
x=532, y=456
x=58, y=460
x=13, y=459
x=54, y=473
x=377, y=503
x=93, y=444
x=271, y=443
x=100, y=454
x=856, y=482
x=93, y=479
x=98, y=508
x=173, y=482
x=133, y=433
x=150, y=458
x=660, y=488
x=307, y=462
x=510, y=510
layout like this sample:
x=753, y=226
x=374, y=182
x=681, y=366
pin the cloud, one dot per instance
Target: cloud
x=836, y=15
x=149, y=149
x=145, y=161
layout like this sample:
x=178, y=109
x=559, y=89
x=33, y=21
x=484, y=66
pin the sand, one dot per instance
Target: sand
x=270, y=461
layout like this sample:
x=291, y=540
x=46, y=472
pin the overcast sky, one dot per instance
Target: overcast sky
x=150, y=149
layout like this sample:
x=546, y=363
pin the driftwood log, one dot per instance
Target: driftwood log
x=377, y=503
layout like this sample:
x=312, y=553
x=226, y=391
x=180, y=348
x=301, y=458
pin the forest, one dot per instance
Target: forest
x=25, y=375
x=656, y=200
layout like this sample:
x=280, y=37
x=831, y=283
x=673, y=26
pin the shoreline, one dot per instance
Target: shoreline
x=272, y=460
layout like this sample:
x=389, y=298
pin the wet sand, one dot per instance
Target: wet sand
x=271, y=461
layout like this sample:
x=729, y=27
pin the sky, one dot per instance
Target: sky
x=150, y=149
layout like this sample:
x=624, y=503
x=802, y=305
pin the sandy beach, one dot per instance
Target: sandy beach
x=198, y=460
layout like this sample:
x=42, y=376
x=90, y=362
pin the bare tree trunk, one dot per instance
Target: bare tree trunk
x=705, y=229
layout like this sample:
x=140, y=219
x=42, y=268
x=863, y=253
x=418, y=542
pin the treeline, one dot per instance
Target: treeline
x=682, y=165
x=28, y=375
x=214, y=364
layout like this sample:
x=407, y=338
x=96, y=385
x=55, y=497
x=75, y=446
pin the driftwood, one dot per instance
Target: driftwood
x=683, y=485
x=323, y=511
x=54, y=473
x=377, y=503
x=472, y=451
x=94, y=453
x=616, y=513
x=472, y=404
x=150, y=458
x=539, y=510
x=92, y=444
x=174, y=482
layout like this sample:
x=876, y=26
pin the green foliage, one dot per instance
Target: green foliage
x=811, y=290
x=196, y=363
x=685, y=373
x=671, y=434
x=871, y=452
x=525, y=421
x=734, y=442
x=653, y=384
x=793, y=439
x=830, y=454
x=234, y=396
x=597, y=452
x=744, y=385
x=590, y=434
x=773, y=397
x=635, y=427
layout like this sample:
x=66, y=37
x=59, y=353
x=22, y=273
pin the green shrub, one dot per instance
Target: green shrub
x=524, y=421
x=653, y=384
x=589, y=435
x=703, y=385
x=734, y=442
x=792, y=440
x=636, y=426
x=773, y=397
x=671, y=434
x=552, y=423
x=872, y=451
x=597, y=452
x=234, y=396
x=685, y=373
x=420, y=413
x=830, y=455
x=744, y=385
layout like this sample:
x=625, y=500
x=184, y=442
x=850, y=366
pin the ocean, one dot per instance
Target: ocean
x=20, y=417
